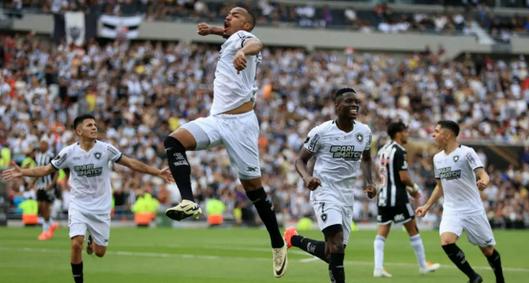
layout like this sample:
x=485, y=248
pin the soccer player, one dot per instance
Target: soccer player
x=460, y=177
x=393, y=203
x=88, y=161
x=339, y=147
x=45, y=191
x=233, y=123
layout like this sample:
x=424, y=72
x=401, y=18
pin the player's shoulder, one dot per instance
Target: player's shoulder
x=70, y=148
x=438, y=156
x=324, y=127
x=242, y=34
x=399, y=148
x=466, y=149
x=362, y=127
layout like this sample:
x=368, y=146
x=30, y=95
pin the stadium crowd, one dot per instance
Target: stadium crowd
x=140, y=91
x=380, y=17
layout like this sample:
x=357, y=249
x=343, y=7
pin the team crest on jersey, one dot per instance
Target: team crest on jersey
x=456, y=158
x=97, y=155
x=359, y=137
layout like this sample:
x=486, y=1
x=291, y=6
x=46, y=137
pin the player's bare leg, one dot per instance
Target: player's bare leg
x=418, y=248
x=76, y=259
x=494, y=259
x=255, y=192
x=378, y=246
x=457, y=256
x=176, y=145
x=335, y=251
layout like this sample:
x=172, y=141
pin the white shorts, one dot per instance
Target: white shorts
x=476, y=225
x=98, y=225
x=330, y=213
x=239, y=133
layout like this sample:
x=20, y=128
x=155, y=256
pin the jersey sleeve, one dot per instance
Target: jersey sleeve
x=114, y=154
x=435, y=170
x=312, y=143
x=242, y=37
x=473, y=159
x=368, y=142
x=61, y=160
x=400, y=160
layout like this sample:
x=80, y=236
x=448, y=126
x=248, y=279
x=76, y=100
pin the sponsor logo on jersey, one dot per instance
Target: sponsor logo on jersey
x=448, y=174
x=346, y=152
x=88, y=170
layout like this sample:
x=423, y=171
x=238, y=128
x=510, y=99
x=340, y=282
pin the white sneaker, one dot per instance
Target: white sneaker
x=280, y=261
x=430, y=267
x=183, y=210
x=381, y=273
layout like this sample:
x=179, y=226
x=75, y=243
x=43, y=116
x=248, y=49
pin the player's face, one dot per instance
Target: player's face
x=440, y=136
x=87, y=129
x=404, y=136
x=348, y=106
x=43, y=146
x=236, y=20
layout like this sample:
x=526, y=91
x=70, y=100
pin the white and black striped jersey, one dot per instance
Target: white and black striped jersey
x=391, y=159
x=89, y=179
x=43, y=159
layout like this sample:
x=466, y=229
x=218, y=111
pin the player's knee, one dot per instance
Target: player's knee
x=487, y=251
x=100, y=253
x=173, y=143
x=77, y=246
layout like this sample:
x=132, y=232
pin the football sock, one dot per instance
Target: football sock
x=418, y=247
x=457, y=256
x=336, y=267
x=378, y=245
x=495, y=262
x=313, y=247
x=179, y=166
x=77, y=272
x=45, y=225
x=264, y=209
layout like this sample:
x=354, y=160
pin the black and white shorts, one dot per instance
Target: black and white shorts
x=395, y=214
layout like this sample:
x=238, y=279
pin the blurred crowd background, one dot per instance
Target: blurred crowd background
x=140, y=91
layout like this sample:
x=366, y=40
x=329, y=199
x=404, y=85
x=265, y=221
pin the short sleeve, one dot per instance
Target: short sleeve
x=473, y=159
x=242, y=37
x=400, y=160
x=114, y=154
x=435, y=170
x=312, y=142
x=368, y=142
x=61, y=160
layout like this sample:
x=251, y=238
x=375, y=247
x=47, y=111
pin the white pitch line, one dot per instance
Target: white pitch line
x=209, y=257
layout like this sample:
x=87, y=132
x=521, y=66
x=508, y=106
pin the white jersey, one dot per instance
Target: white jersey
x=232, y=89
x=338, y=156
x=89, y=175
x=456, y=172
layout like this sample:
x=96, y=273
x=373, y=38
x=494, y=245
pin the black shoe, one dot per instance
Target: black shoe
x=89, y=249
x=476, y=279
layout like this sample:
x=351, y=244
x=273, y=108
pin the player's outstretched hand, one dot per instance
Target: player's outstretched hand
x=12, y=173
x=481, y=185
x=239, y=61
x=203, y=29
x=312, y=183
x=165, y=174
x=421, y=211
x=371, y=191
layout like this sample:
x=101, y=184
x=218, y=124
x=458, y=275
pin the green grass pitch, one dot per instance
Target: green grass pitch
x=236, y=255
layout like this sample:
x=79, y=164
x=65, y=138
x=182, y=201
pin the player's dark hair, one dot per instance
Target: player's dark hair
x=79, y=119
x=343, y=91
x=396, y=127
x=252, y=18
x=450, y=125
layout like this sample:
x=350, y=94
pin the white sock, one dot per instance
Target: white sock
x=378, y=244
x=418, y=247
x=45, y=225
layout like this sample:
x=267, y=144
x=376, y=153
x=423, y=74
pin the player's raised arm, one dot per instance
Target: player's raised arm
x=436, y=194
x=17, y=172
x=139, y=166
x=482, y=177
x=301, y=167
x=205, y=29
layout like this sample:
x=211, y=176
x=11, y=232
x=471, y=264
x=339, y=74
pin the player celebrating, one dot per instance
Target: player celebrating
x=393, y=203
x=460, y=176
x=339, y=147
x=88, y=162
x=233, y=123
